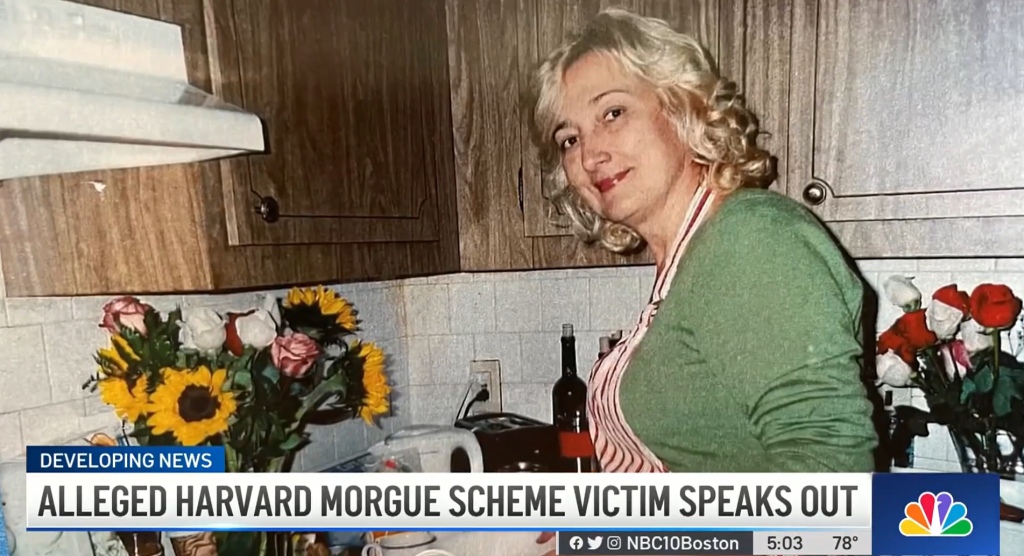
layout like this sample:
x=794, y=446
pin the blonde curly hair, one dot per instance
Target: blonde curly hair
x=707, y=110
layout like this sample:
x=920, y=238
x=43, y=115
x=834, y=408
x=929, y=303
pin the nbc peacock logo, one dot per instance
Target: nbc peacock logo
x=936, y=515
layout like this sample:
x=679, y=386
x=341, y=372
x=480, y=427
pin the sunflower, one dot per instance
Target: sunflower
x=323, y=301
x=375, y=382
x=190, y=404
x=128, y=400
x=114, y=360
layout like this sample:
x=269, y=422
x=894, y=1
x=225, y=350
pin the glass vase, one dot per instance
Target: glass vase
x=968, y=459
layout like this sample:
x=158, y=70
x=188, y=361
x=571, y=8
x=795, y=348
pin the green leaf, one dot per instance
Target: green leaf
x=983, y=380
x=1001, y=397
x=292, y=442
x=336, y=385
x=967, y=389
x=1005, y=391
x=242, y=379
x=271, y=374
x=1017, y=375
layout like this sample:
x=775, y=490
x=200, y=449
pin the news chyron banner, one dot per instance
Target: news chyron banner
x=187, y=489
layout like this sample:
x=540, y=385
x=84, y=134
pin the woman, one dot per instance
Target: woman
x=752, y=363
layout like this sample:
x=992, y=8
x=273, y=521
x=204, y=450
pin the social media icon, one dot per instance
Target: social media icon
x=593, y=543
x=576, y=543
x=614, y=543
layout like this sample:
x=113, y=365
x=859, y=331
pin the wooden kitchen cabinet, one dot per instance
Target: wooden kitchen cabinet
x=190, y=227
x=355, y=96
x=505, y=220
x=904, y=118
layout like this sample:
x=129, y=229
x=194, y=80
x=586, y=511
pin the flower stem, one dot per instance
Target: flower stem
x=230, y=455
x=991, y=441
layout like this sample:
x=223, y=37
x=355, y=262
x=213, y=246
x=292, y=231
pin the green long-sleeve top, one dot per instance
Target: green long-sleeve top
x=753, y=360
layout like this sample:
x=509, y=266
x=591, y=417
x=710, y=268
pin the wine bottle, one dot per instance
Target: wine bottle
x=569, y=406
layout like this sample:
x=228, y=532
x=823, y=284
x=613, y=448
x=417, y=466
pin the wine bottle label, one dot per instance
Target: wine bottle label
x=575, y=444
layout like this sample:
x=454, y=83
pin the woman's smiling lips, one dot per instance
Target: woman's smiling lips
x=604, y=185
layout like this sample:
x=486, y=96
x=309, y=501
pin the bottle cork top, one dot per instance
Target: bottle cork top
x=566, y=330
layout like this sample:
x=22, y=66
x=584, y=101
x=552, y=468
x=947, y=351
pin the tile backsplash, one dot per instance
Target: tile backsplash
x=431, y=328
x=516, y=318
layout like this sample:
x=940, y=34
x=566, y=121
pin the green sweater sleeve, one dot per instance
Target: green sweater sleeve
x=761, y=329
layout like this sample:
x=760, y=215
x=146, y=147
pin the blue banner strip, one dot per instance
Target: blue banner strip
x=125, y=459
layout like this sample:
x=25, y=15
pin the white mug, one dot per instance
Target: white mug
x=411, y=543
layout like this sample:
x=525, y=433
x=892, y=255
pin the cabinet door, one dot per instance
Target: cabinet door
x=904, y=124
x=354, y=96
x=548, y=25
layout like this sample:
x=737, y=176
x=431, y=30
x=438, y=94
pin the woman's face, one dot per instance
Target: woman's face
x=620, y=152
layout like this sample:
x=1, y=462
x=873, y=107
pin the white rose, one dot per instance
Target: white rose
x=943, y=320
x=203, y=330
x=257, y=329
x=975, y=338
x=271, y=306
x=892, y=370
x=901, y=292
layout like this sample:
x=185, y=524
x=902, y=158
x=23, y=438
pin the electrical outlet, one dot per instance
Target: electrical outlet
x=487, y=373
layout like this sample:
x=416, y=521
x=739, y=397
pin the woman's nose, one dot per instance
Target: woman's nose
x=594, y=153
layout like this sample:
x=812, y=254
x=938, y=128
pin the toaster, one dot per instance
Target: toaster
x=511, y=443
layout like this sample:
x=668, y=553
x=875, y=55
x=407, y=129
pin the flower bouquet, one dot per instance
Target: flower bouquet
x=251, y=382
x=953, y=351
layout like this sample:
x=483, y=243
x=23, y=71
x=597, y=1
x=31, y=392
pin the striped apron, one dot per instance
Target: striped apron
x=616, y=447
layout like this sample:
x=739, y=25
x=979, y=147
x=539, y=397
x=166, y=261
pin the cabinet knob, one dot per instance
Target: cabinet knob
x=814, y=193
x=269, y=209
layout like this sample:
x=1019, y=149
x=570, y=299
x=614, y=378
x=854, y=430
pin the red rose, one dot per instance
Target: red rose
x=913, y=327
x=994, y=306
x=890, y=340
x=126, y=312
x=232, y=341
x=955, y=298
x=294, y=355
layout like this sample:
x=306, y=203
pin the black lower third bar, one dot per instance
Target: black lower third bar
x=653, y=543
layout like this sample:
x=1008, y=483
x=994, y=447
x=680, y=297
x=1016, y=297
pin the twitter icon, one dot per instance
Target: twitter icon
x=594, y=543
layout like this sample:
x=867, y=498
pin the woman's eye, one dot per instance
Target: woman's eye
x=567, y=142
x=613, y=114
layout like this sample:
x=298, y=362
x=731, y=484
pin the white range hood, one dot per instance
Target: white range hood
x=82, y=88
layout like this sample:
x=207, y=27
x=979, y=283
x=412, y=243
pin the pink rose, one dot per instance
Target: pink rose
x=956, y=359
x=125, y=312
x=293, y=355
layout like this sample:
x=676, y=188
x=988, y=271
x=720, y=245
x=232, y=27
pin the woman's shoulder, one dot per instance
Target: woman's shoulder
x=759, y=221
x=764, y=208
x=756, y=233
